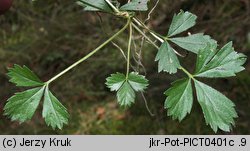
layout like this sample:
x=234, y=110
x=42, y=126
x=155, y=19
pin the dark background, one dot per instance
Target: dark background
x=48, y=36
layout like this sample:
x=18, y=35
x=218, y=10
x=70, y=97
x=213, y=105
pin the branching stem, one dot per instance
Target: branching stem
x=188, y=73
x=145, y=36
x=112, y=6
x=156, y=35
x=90, y=54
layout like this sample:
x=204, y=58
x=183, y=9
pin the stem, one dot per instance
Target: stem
x=129, y=48
x=154, y=34
x=145, y=36
x=90, y=54
x=112, y=6
x=157, y=36
x=188, y=73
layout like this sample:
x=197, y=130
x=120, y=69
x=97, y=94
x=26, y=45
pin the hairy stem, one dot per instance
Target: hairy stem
x=90, y=54
x=129, y=48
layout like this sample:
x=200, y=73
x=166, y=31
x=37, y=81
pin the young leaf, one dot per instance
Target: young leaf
x=126, y=87
x=179, y=99
x=167, y=58
x=95, y=5
x=54, y=112
x=194, y=42
x=218, y=110
x=126, y=95
x=115, y=81
x=22, y=105
x=181, y=22
x=138, y=82
x=135, y=5
x=223, y=63
x=23, y=76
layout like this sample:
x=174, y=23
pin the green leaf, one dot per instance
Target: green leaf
x=23, y=76
x=205, y=55
x=22, y=106
x=126, y=87
x=95, y=5
x=218, y=110
x=181, y=22
x=126, y=95
x=212, y=63
x=115, y=81
x=179, y=99
x=135, y=5
x=167, y=58
x=138, y=82
x=54, y=112
x=194, y=42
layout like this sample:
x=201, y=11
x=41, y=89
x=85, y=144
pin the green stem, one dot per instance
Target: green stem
x=145, y=36
x=157, y=47
x=138, y=22
x=156, y=35
x=112, y=6
x=188, y=73
x=90, y=54
x=129, y=48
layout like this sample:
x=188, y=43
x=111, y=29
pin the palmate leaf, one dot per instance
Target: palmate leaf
x=218, y=110
x=213, y=63
x=54, y=113
x=23, y=76
x=135, y=5
x=126, y=87
x=194, y=42
x=95, y=5
x=181, y=22
x=22, y=106
x=167, y=59
x=179, y=99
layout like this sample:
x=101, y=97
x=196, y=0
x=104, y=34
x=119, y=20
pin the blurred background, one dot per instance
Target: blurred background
x=50, y=35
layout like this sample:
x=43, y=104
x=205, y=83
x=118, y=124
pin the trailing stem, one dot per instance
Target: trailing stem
x=90, y=54
x=129, y=48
